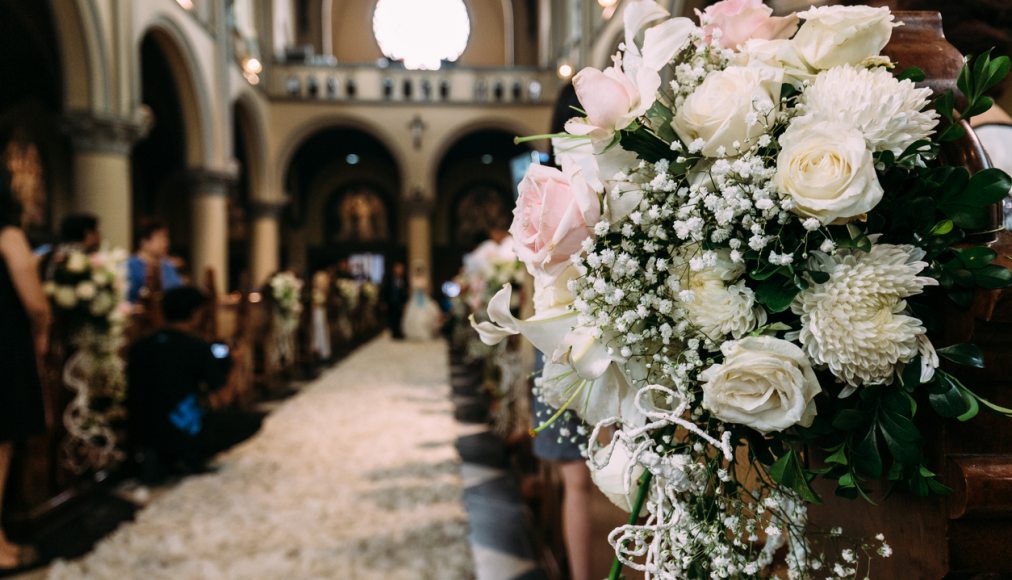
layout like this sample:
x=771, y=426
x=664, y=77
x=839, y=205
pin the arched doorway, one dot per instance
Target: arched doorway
x=160, y=187
x=475, y=187
x=32, y=144
x=343, y=186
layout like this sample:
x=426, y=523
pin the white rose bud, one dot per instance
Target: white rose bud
x=85, y=291
x=102, y=304
x=838, y=35
x=609, y=474
x=77, y=262
x=765, y=383
x=828, y=171
x=716, y=111
x=65, y=297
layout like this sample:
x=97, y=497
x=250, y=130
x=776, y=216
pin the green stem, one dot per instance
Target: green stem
x=641, y=497
x=519, y=140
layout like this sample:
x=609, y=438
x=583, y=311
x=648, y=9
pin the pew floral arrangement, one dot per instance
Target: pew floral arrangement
x=743, y=254
x=286, y=289
x=487, y=268
x=88, y=293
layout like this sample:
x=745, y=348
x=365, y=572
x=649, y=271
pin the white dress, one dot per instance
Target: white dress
x=421, y=317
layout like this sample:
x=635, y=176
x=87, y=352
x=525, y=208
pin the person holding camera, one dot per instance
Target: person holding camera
x=170, y=376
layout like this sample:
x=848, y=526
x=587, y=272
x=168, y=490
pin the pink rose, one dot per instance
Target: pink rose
x=609, y=97
x=741, y=20
x=552, y=219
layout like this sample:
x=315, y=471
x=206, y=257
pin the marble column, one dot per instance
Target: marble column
x=102, y=173
x=419, y=226
x=265, y=245
x=209, y=226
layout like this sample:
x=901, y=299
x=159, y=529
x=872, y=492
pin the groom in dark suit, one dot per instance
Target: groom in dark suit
x=395, y=295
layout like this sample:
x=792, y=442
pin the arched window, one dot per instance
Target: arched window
x=421, y=34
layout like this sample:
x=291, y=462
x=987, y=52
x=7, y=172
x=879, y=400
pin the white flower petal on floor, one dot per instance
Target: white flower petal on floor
x=328, y=489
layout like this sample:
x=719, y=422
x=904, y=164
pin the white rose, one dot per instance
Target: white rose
x=838, y=35
x=85, y=291
x=611, y=469
x=102, y=304
x=828, y=171
x=65, y=297
x=765, y=383
x=77, y=262
x=717, y=110
x=777, y=53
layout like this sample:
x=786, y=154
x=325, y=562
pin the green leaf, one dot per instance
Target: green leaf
x=819, y=277
x=848, y=419
x=966, y=216
x=839, y=457
x=764, y=271
x=961, y=297
x=963, y=353
x=941, y=228
x=787, y=471
x=972, y=407
x=952, y=133
x=866, y=457
x=911, y=375
x=986, y=187
x=776, y=294
x=952, y=181
x=946, y=398
x=944, y=104
x=993, y=277
x=913, y=73
x=976, y=257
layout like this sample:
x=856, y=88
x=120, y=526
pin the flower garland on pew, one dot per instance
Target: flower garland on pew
x=739, y=257
x=88, y=291
x=286, y=289
x=487, y=268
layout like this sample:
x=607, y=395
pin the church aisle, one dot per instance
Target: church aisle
x=355, y=477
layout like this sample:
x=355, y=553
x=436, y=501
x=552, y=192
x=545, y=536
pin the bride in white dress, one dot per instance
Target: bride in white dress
x=421, y=318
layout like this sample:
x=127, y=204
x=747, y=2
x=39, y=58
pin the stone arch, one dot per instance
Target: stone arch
x=302, y=133
x=506, y=124
x=251, y=117
x=82, y=54
x=193, y=96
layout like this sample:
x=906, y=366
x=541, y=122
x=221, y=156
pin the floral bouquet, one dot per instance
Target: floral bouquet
x=350, y=292
x=88, y=291
x=486, y=269
x=286, y=288
x=743, y=254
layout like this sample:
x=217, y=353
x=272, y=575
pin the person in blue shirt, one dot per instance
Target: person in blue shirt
x=152, y=248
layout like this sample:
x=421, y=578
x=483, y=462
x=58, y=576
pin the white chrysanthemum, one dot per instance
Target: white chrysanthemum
x=887, y=111
x=856, y=322
x=721, y=304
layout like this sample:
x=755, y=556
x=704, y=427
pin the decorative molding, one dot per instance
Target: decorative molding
x=97, y=133
x=418, y=205
x=210, y=182
x=267, y=209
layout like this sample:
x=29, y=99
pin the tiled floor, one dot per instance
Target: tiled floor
x=501, y=545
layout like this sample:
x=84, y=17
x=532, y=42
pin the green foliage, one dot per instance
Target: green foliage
x=788, y=472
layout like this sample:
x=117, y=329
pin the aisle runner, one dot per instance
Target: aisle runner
x=356, y=477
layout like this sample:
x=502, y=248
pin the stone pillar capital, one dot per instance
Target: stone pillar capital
x=99, y=133
x=210, y=182
x=418, y=205
x=267, y=209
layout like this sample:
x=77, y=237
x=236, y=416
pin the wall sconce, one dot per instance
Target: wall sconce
x=565, y=70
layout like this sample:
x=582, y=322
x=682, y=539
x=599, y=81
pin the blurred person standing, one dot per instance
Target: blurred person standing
x=24, y=333
x=152, y=249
